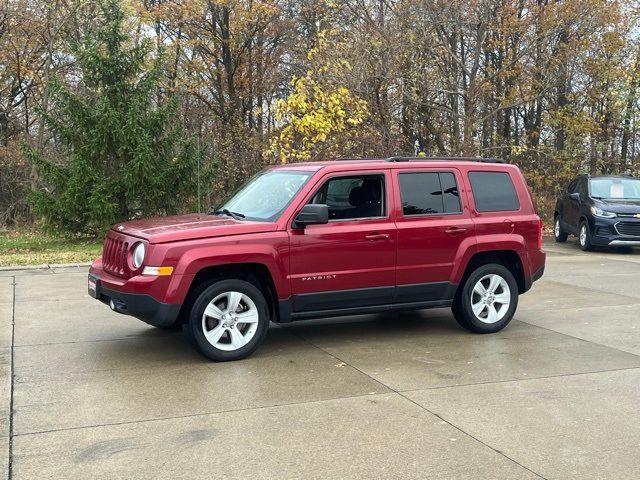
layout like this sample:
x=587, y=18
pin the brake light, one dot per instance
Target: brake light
x=539, y=233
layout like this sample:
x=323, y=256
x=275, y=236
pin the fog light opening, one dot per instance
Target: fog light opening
x=117, y=306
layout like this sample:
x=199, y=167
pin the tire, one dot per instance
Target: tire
x=584, y=237
x=470, y=296
x=220, y=334
x=559, y=234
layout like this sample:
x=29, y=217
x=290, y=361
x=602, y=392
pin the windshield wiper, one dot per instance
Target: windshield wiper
x=229, y=213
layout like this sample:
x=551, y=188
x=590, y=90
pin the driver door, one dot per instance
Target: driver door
x=348, y=263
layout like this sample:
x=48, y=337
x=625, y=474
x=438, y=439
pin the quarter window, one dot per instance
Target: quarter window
x=429, y=193
x=493, y=192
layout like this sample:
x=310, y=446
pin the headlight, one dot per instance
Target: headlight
x=598, y=212
x=138, y=255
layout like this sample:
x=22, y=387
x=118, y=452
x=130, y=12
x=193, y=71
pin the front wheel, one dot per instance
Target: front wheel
x=487, y=300
x=584, y=237
x=228, y=320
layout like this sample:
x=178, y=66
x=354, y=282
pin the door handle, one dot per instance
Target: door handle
x=377, y=236
x=455, y=230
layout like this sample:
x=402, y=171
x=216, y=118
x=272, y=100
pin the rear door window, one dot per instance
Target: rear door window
x=429, y=193
x=493, y=192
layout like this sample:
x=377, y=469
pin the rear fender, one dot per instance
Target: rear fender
x=489, y=243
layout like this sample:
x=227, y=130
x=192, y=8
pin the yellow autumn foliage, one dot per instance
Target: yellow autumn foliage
x=311, y=116
x=316, y=113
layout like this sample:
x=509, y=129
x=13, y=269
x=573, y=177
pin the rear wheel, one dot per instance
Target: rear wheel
x=584, y=236
x=228, y=320
x=559, y=234
x=487, y=300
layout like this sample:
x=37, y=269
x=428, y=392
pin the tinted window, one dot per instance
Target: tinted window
x=493, y=192
x=572, y=186
x=582, y=188
x=429, y=193
x=360, y=196
x=450, y=193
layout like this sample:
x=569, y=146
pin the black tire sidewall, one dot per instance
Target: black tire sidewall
x=195, y=319
x=561, y=237
x=469, y=320
x=587, y=243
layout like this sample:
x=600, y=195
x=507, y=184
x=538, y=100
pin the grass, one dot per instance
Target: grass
x=26, y=247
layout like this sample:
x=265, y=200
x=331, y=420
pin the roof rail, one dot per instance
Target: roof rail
x=445, y=159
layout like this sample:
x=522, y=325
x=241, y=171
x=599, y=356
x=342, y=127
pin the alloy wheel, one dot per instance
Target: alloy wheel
x=490, y=298
x=230, y=321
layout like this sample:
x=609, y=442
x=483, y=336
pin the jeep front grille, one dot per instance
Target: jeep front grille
x=114, y=255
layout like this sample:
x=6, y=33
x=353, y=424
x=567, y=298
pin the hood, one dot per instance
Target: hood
x=190, y=227
x=627, y=206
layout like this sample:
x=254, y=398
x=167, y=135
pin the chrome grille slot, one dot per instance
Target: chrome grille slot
x=123, y=256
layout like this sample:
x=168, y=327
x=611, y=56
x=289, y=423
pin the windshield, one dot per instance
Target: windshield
x=266, y=195
x=615, y=188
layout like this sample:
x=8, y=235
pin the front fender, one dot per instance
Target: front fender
x=272, y=253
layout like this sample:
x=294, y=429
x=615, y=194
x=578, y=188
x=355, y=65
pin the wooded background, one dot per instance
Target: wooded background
x=218, y=89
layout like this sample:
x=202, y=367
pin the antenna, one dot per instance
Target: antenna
x=198, y=174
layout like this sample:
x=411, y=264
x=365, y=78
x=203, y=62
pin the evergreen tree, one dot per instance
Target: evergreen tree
x=125, y=155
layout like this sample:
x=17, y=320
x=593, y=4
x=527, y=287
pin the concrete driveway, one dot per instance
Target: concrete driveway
x=556, y=395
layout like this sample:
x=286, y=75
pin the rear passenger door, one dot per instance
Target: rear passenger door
x=433, y=222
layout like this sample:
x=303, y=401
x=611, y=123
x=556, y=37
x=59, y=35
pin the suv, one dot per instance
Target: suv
x=601, y=211
x=328, y=239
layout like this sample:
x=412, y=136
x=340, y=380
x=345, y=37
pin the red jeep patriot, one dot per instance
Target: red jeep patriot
x=326, y=239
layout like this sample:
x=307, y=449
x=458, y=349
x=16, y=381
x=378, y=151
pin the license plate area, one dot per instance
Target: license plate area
x=93, y=284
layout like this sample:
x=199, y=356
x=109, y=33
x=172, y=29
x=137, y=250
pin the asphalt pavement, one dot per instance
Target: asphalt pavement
x=89, y=394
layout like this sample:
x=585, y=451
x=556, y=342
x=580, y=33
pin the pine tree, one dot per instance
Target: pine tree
x=125, y=154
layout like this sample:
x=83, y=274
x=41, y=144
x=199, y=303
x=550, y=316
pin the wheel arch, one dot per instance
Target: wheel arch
x=258, y=274
x=584, y=218
x=509, y=259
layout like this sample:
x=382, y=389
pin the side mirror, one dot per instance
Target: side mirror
x=575, y=196
x=311, y=214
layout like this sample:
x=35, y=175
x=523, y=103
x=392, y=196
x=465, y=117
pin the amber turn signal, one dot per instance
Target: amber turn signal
x=158, y=271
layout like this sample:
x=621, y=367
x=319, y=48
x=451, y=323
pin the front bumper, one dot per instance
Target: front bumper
x=139, y=305
x=607, y=232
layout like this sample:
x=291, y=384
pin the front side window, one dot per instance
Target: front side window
x=493, y=192
x=429, y=193
x=266, y=196
x=612, y=188
x=582, y=188
x=357, y=196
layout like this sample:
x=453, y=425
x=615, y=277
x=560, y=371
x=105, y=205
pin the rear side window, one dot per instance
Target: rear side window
x=493, y=192
x=429, y=193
